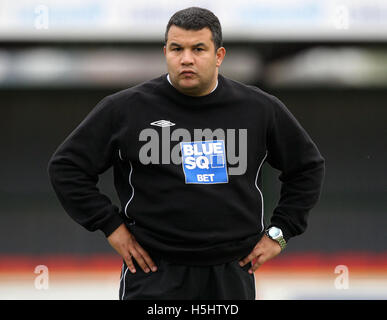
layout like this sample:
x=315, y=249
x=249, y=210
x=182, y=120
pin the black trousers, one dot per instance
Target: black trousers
x=227, y=281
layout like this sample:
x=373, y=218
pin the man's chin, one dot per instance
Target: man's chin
x=188, y=83
x=188, y=86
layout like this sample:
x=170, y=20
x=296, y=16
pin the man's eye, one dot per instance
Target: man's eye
x=199, y=49
x=176, y=49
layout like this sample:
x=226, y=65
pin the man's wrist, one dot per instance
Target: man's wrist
x=112, y=225
x=276, y=234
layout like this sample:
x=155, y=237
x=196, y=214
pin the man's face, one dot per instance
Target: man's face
x=192, y=61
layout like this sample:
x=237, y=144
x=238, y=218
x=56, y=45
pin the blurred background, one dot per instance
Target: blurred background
x=326, y=60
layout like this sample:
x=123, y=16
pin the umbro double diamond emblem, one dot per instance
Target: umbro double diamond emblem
x=163, y=123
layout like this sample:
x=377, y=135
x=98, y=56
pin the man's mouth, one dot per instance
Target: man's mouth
x=187, y=73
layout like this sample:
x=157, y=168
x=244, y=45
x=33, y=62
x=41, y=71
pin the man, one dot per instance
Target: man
x=191, y=218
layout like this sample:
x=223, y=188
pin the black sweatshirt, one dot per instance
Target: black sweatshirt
x=207, y=209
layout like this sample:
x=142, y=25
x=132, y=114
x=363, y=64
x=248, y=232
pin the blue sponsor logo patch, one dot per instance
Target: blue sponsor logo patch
x=204, y=162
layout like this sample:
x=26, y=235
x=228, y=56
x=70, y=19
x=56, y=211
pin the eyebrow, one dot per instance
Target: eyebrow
x=200, y=44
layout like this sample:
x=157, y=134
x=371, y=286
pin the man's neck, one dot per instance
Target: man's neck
x=216, y=85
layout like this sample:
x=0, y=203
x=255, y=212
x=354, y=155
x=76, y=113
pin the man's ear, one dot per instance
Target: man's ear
x=165, y=50
x=220, y=54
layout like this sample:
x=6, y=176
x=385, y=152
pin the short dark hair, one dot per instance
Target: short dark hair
x=195, y=18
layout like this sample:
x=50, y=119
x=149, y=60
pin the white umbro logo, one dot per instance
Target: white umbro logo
x=163, y=123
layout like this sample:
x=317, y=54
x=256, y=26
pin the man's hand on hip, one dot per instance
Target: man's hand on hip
x=264, y=250
x=127, y=247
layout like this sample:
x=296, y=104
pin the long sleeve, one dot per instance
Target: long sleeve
x=294, y=154
x=75, y=166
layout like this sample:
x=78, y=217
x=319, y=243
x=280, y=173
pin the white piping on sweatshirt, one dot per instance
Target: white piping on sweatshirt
x=130, y=183
x=256, y=180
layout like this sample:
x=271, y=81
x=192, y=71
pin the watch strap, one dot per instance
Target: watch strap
x=281, y=242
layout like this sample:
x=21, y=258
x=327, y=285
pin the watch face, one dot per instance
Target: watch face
x=274, y=232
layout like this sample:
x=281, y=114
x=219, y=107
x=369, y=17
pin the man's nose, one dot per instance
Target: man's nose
x=187, y=57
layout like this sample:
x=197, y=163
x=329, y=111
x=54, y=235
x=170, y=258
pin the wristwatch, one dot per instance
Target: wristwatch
x=275, y=234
